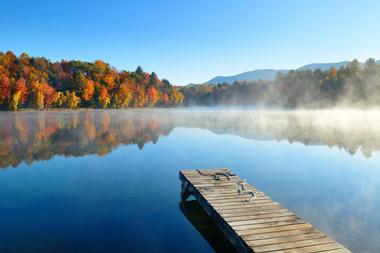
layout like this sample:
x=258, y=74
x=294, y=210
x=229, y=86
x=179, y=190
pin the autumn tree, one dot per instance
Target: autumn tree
x=49, y=95
x=88, y=90
x=38, y=95
x=152, y=96
x=109, y=81
x=15, y=101
x=25, y=59
x=21, y=86
x=104, y=98
x=165, y=99
x=5, y=89
x=139, y=97
x=333, y=73
x=19, y=94
x=72, y=100
x=100, y=65
x=60, y=99
x=176, y=97
x=123, y=96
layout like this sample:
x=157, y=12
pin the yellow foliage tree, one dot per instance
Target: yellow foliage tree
x=72, y=100
x=15, y=100
x=123, y=96
x=60, y=99
x=176, y=97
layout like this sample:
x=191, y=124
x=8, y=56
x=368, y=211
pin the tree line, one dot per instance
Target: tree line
x=356, y=84
x=36, y=82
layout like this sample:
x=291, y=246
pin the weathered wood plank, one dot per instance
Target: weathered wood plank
x=254, y=212
x=262, y=220
x=251, y=210
x=272, y=224
x=260, y=225
x=243, y=205
x=236, y=199
x=287, y=239
x=257, y=216
x=275, y=229
x=280, y=234
x=294, y=245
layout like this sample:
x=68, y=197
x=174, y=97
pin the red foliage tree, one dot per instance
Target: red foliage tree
x=5, y=89
x=49, y=93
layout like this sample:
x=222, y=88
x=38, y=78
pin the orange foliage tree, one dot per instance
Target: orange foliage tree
x=333, y=73
x=88, y=90
x=104, y=97
x=152, y=96
x=22, y=87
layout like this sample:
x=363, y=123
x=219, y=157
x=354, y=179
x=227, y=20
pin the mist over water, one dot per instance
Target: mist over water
x=29, y=136
x=68, y=171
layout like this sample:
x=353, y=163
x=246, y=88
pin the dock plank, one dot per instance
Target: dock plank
x=260, y=225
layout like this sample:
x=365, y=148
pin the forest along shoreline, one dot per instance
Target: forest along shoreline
x=37, y=83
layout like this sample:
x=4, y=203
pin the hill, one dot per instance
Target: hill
x=264, y=74
x=270, y=74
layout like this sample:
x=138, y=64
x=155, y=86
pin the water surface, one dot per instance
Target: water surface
x=107, y=181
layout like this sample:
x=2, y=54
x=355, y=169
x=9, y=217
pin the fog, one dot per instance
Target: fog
x=355, y=85
x=352, y=130
x=29, y=136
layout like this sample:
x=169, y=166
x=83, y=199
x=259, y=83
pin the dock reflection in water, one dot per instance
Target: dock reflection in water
x=206, y=227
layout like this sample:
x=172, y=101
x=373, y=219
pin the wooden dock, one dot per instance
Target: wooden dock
x=255, y=225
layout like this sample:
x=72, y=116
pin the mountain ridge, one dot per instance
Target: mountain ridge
x=270, y=74
x=265, y=74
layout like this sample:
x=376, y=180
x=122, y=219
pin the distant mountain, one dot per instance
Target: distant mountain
x=270, y=74
x=324, y=66
x=264, y=74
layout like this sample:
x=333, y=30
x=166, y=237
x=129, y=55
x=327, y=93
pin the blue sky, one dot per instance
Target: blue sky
x=193, y=41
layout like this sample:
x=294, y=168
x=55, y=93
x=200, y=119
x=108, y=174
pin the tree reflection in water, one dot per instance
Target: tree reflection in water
x=33, y=136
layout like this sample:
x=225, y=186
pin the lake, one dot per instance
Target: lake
x=107, y=181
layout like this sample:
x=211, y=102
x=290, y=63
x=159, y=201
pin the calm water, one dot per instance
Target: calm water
x=107, y=181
